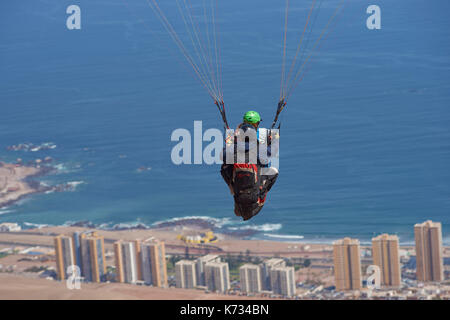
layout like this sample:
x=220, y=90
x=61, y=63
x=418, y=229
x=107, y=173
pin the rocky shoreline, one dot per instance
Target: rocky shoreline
x=17, y=182
x=191, y=224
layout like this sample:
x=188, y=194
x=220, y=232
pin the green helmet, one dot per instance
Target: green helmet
x=252, y=117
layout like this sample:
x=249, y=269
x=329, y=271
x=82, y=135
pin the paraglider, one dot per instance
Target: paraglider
x=248, y=181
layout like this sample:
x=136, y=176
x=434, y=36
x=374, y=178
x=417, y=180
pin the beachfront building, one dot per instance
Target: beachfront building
x=282, y=281
x=250, y=278
x=266, y=268
x=137, y=249
x=347, y=264
x=385, y=253
x=200, y=267
x=185, y=274
x=92, y=257
x=76, y=237
x=153, y=263
x=217, y=276
x=65, y=255
x=126, y=261
x=429, y=261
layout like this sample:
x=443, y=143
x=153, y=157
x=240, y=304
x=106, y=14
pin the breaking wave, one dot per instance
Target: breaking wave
x=35, y=225
x=283, y=236
x=267, y=227
x=32, y=147
x=220, y=225
x=5, y=211
x=72, y=185
x=191, y=220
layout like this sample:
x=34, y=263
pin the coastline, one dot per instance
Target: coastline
x=16, y=182
x=226, y=244
x=221, y=226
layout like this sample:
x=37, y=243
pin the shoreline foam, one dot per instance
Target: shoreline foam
x=188, y=224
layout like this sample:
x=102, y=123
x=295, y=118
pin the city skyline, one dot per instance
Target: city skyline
x=271, y=275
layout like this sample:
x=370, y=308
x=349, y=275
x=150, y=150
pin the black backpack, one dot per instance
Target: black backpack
x=246, y=180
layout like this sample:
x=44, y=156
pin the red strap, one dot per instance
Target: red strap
x=246, y=166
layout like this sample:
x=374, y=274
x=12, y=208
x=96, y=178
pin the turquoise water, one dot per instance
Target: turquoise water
x=365, y=143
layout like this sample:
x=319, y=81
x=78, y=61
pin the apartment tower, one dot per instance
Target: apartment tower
x=347, y=264
x=250, y=278
x=266, y=268
x=385, y=253
x=153, y=263
x=429, y=259
x=217, y=276
x=283, y=281
x=185, y=274
x=200, y=268
x=65, y=255
x=92, y=257
x=126, y=261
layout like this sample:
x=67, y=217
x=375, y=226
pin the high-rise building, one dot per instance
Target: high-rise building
x=137, y=247
x=282, y=281
x=266, y=267
x=77, y=248
x=385, y=253
x=429, y=259
x=250, y=278
x=153, y=263
x=92, y=257
x=126, y=261
x=217, y=276
x=201, y=263
x=185, y=274
x=347, y=264
x=65, y=255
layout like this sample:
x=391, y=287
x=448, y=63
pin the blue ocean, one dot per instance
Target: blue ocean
x=365, y=137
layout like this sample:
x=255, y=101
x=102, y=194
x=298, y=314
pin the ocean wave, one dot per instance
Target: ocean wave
x=219, y=225
x=5, y=211
x=216, y=222
x=81, y=224
x=263, y=227
x=283, y=236
x=125, y=226
x=32, y=147
x=36, y=225
x=64, y=168
x=60, y=167
x=72, y=185
x=111, y=226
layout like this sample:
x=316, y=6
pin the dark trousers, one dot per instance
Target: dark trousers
x=267, y=183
